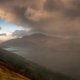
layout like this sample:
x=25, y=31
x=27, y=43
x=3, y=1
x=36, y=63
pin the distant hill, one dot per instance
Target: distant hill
x=42, y=40
x=37, y=39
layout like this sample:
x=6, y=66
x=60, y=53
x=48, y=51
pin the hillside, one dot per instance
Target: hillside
x=40, y=40
x=55, y=53
x=29, y=69
x=8, y=74
x=49, y=42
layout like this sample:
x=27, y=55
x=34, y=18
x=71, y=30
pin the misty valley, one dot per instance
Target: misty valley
x=54, y=53
x=40, y=39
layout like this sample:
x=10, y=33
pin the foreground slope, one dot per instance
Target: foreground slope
x=29, y=69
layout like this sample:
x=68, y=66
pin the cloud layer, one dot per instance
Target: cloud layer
x=51, y=16
x=5, y=37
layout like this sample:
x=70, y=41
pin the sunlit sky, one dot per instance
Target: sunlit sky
x=8, y=27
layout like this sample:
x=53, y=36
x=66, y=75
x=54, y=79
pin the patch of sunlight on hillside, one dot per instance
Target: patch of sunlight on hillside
x=6, y=74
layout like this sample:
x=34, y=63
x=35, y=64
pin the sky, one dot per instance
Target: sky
x=51, y=16
x=59, y=17
x=7, y=27
x=9, y=31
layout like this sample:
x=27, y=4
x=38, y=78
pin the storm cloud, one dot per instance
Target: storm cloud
x=51, y=16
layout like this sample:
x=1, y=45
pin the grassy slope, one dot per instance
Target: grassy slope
x=7, y=74
x=30, y=69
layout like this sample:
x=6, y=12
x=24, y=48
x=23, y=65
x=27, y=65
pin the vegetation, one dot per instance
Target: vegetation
x=29, y=69
x=7, y=74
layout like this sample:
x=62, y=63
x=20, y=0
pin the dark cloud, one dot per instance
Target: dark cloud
x=74, y=10
x=52, y=16
x=52, y=5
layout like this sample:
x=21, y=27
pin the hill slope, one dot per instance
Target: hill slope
x=58, y=54
x=29, y=69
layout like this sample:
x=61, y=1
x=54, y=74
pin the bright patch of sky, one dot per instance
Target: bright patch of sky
x=7, y=27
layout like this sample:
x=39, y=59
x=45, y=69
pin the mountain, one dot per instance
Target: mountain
x=42, y=40
x=27, y=68
x=38, y=39
x=53, y=52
